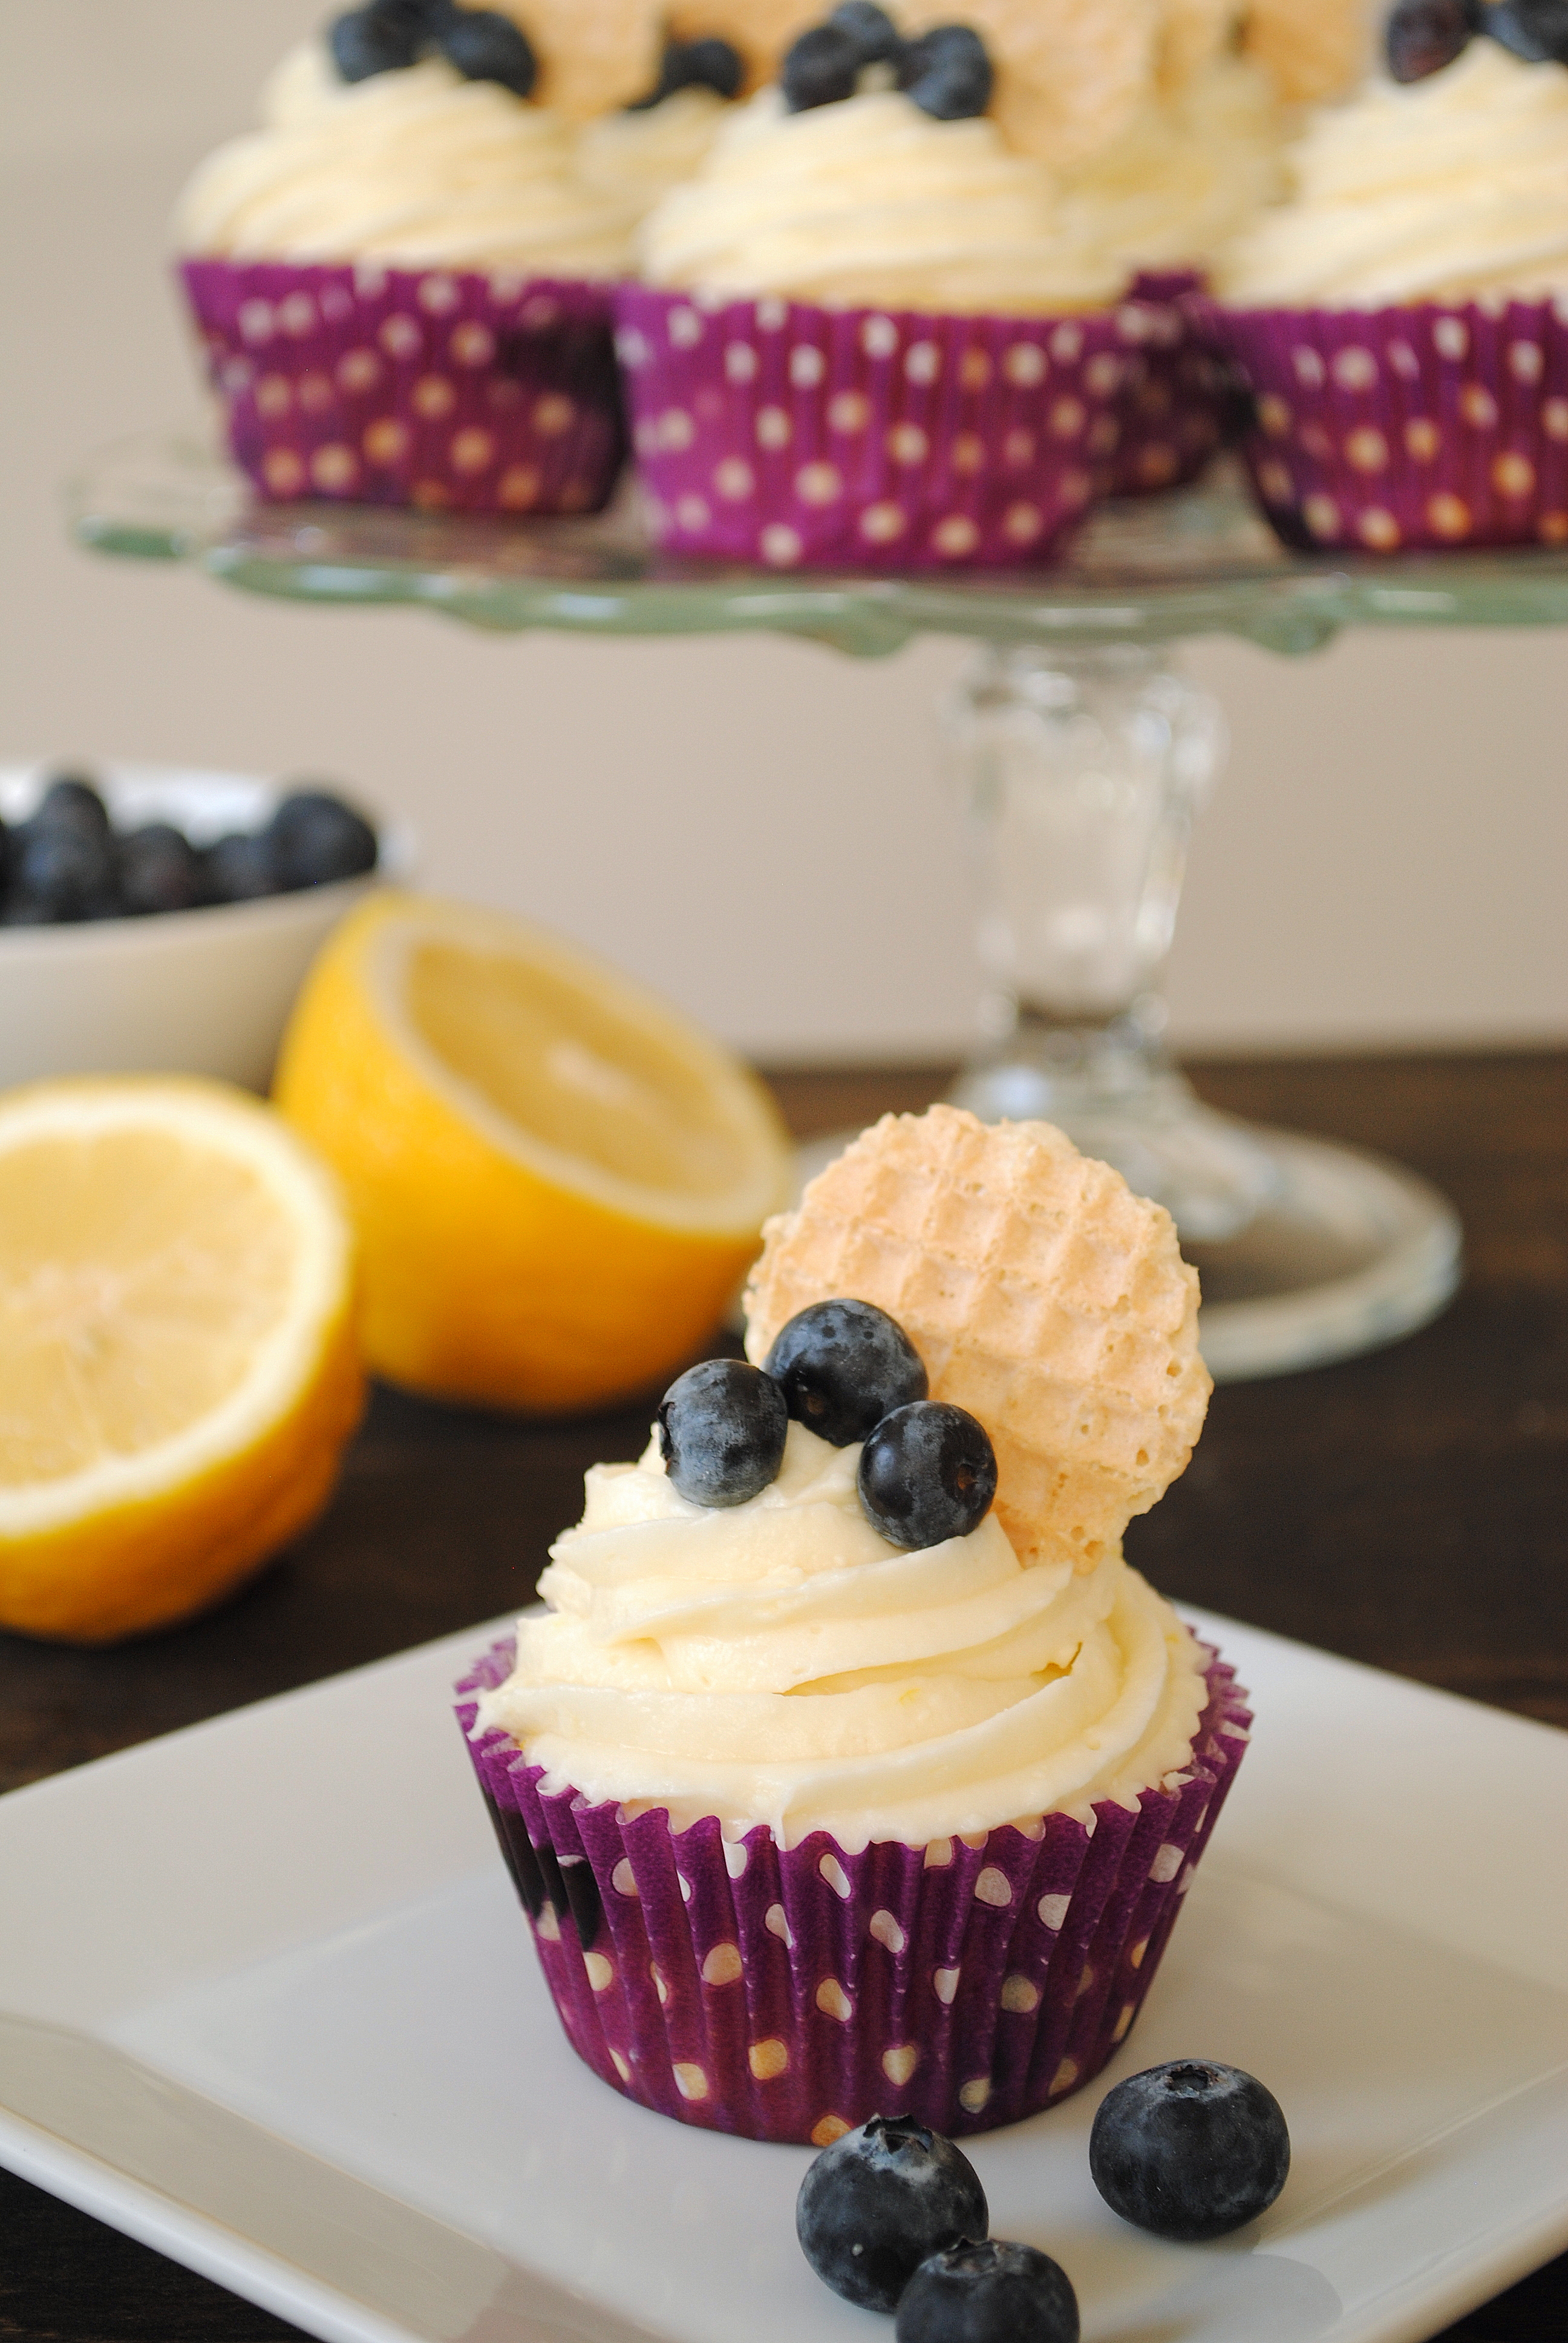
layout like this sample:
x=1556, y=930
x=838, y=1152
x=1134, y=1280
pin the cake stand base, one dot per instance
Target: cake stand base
x=1347, y=1253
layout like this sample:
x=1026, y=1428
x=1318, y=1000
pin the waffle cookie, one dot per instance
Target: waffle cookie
x=1311, y=49
x=594, y=55
x=1042, y=1295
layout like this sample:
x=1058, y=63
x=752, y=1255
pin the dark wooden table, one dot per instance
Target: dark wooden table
x=1407, y=1509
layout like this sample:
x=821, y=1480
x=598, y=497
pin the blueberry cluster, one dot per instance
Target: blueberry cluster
x=847, y=1372
x=387, y=36
x=946, y=72
x=66, y=862
x=694, y=65
x=894, y=2217
x=1422, y=36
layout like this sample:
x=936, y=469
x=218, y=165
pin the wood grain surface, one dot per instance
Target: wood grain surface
x=1406, y=1509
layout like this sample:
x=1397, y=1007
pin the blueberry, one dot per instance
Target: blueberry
x=876, y=2204
x=238, y=869
x=1190, y=2151
x=1422, y=36
x=927, y=1472
x=60, y=870
x=721, y=1432
x=694, y=65
x=376, y=40
x=871, y=29
x=947, y=73
x=485, y=45
x=159, y=871
x=843, y=1364
x=70, y=803
x=1536, y=30
x=317, y=840
x=823, y=66
x=990, y=2293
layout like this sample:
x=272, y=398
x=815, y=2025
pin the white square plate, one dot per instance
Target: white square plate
x=268, y=2005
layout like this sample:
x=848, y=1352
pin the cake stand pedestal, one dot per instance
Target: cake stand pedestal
x=1084, y=756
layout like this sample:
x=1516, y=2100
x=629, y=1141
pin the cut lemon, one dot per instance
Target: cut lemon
x=178, y=1367
x=557, y=1181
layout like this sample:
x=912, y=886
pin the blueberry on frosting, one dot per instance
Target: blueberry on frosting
x=721, y=1432
x=842, y=1365
x=822, y=68
x=871, y=29
x=384, y=37
x=485, y=45
x=709, y=63
x=927, y=1473
x=947, y=73
x=1535, y=30
x=1422, y=36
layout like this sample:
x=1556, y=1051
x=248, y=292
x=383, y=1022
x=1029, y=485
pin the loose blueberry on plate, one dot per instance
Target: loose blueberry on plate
x=159, y=871
x=317, y=840
x=1422, y=36
x=927, y=1472
x=821, y=68
x=1190, y=2151
x=871, y=29
x=843, y=1365
x=1535, y=30
x=71, y=802
x=62, y=869
x=721, y=1432
x=947, y=73
x=237, y=869
x=485, y=45
x=874, y=2206
x=989, y=2293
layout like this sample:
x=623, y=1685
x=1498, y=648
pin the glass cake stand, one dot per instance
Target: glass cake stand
x=1084, y=755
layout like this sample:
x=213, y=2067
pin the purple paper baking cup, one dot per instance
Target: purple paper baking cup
x=1435, y=426
x=778, y=432
x=1174, y=406
x=789, y=1995
x=437, y=387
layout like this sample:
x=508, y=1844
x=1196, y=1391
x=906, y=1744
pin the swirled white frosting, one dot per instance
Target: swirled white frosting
x=780, y=1663
x=1189, y=173
x=640, y=156
x=873, y=202
x=1441, y=188
x=418, y=166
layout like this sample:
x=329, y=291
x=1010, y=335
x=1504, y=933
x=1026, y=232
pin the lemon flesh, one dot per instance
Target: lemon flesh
x=557, y=1181
x=176, y=1367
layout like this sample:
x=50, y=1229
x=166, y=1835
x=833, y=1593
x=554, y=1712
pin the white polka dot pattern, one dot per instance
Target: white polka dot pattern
x=812, y=437
x=789, y=1995
x=1419, y=426
x=439, y=389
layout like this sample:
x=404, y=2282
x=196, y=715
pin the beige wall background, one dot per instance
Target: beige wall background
x=757, y=828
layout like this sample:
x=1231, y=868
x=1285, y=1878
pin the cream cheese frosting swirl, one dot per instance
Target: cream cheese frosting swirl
x=1438, y=189
x=418, y=166
x=779, y=1662
x=639, y=154
x=1189, y=173
x=872, y=202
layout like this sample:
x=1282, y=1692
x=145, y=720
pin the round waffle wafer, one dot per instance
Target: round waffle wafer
x=594, y=54
x=1314, y=49
x=1069, y=73
x=1192, y=34
x=1042, y=1295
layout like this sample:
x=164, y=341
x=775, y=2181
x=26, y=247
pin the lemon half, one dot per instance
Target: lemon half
x=178, y=1369
x=557, y=1181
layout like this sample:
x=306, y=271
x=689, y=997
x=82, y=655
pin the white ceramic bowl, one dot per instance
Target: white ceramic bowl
x=189, y=992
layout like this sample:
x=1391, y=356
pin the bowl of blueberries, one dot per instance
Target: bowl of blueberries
x=154, y=920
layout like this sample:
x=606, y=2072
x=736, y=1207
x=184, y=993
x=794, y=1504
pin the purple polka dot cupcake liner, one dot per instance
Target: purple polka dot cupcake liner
x=780, y=432
x=791, y=1994
x=1174, y=404
x=440, y=388
x=1425, y=425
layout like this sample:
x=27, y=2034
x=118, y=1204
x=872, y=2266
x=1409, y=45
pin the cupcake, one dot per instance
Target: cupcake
x=1401, y=322
x=865, y=333
x=851, y=1770
x=402, y=277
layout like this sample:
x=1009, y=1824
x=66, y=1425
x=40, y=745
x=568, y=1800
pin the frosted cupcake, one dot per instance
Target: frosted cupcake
x=837, y=1788
x=402, y=277
x=867, y=333
x=1400, y=321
